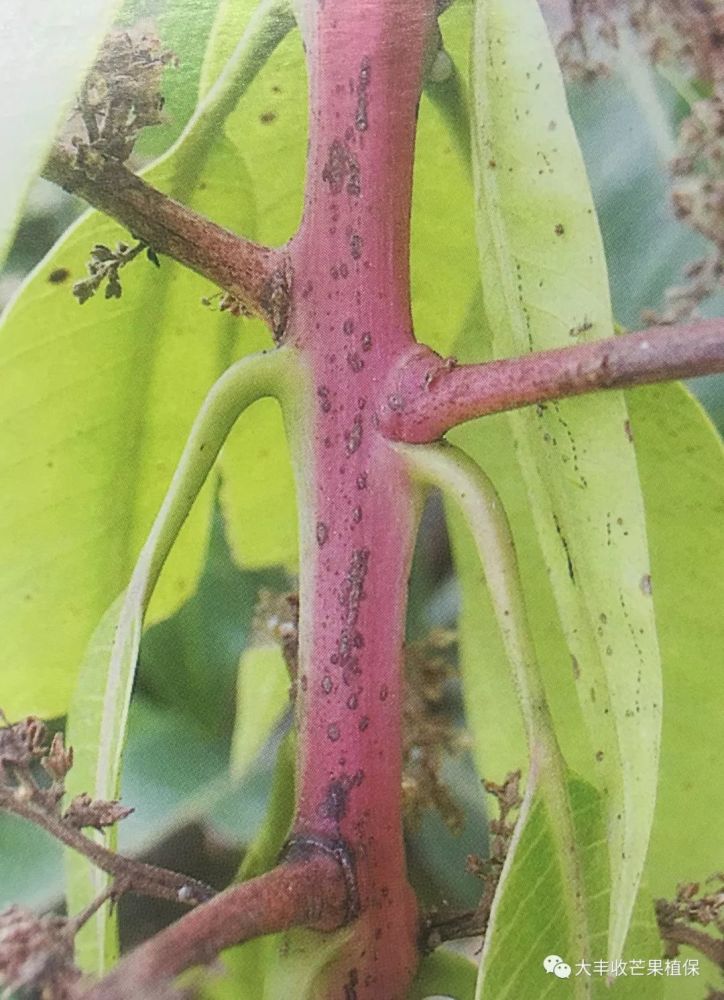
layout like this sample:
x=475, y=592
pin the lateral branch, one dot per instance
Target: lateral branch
x=305, y=892
x=428, y=395
x=256, y=276
x=130, y=875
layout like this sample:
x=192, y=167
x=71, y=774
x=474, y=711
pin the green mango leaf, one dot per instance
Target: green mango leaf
x=444, y=973
x=257, y=487
x=443, y=268
x=262, y=698
x=488, y=687
x=99, y=709
x=45, y=56
x=245, y=968
x=532, y=915
x=548, y=787
x=97, y=401
x=681, y=460
x=679, y=456
x=544, y=279
x=268, y=133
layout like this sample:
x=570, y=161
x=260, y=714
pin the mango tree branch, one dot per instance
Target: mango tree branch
x=129, y=875
x=305, y=891
x=257, y=276
x=428, y=395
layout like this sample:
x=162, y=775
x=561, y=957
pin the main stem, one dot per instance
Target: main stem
x=350, y=320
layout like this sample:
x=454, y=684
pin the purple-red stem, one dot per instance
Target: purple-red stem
x=428, y=395
x=350, y=321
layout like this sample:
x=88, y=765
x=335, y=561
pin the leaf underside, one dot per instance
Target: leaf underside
x=544, y=279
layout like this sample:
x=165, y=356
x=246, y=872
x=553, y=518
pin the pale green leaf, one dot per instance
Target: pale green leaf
x=487, y=684
x=268, y=132
x=548, y=785
x=681, y=460
x=99, y=709
x=442, y=255
x=245, y=967
x=533, y=917
x=270, y=21
x=262, y=698
x=47, y=46
x=444, y=973
x=97, y=401
x=545, y=285
x=257, y=488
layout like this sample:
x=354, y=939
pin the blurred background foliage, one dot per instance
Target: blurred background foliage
x=190, y=812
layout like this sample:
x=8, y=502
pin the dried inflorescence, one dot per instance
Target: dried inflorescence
x=25, y=754
x=698, y=199
x=27, y=761
x=36, y=953
x=120, y=96
x=473, y=923
x=680, y=920
x=591, y=22
x=104, y=265
x=226, y=303
x=276, y=619
x=429, y=729
x=489, y=869
x=689, y=36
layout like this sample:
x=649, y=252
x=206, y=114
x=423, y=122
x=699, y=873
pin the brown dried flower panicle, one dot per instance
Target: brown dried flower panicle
x=120, y=96
x=688, y=37
x=682, y=920
x=36, y=953
x=429, y=728
x=32, y=778
x=104, y=265
x=489, y=869
x=276, y=619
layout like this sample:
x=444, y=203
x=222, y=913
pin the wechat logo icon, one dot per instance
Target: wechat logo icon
x=556, y=965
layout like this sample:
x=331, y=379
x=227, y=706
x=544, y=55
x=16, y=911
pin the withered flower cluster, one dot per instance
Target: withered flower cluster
x=429, y=729
x=36, y=952
x=121, y=96
x=688, y=36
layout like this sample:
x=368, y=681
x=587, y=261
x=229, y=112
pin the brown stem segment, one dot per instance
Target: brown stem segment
x=310, y=891
x=258, y=276
x=678, y=933
x=133, y=876
x=427, y=395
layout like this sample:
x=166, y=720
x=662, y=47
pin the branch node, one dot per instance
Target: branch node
x=302, y=847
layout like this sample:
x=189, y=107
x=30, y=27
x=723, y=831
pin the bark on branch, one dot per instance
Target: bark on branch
x=308, y=891
x=257, y=276
x=128, y=874
x=428, y=395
